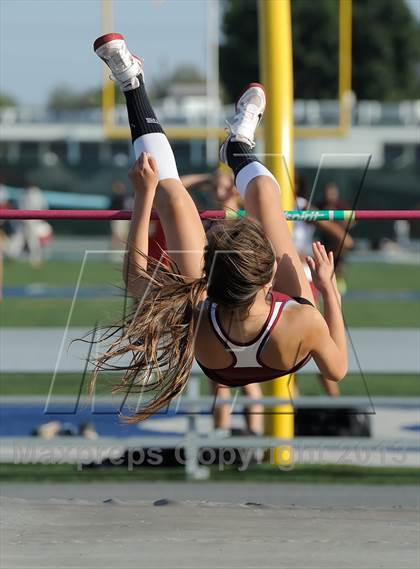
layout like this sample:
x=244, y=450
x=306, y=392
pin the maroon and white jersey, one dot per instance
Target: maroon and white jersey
x=247, y=366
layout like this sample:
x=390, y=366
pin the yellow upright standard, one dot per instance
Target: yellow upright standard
x=344, y=64
x=276, y=64
x=108, y=87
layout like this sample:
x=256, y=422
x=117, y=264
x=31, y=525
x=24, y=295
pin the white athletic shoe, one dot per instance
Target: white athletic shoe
x=125, y=66
x=249, y=111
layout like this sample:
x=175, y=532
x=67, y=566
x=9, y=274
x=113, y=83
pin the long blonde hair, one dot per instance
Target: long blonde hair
x=159, y=333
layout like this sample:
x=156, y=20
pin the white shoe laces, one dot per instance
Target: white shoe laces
x=123, y=59
x=247, y=115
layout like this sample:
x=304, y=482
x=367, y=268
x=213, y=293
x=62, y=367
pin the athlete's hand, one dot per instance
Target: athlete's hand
x=144, y=173
x=321, y=266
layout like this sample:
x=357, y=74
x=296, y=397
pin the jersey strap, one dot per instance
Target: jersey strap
x=246, y=353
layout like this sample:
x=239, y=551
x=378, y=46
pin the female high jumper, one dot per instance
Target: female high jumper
x=239, y=303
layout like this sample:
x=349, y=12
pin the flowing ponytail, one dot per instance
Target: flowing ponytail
x=158, y=337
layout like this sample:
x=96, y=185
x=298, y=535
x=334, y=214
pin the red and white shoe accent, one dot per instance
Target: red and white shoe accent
x=125, y=67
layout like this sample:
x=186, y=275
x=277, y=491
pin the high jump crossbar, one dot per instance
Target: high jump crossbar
x=293, y=215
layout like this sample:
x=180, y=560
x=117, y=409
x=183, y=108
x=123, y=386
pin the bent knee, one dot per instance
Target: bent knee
x=262, y=188
x=170, y=194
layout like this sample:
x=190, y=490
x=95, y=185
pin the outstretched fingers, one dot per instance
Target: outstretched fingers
x=320, y=253
x=321, y=266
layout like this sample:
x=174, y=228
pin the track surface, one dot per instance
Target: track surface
x=373, y=350
x=209, y=525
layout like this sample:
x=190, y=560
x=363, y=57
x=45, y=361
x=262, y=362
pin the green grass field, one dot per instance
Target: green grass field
x=64, y=273
x=354, y=384
x=377, y=276
x=382, y=276
x=266, y=473
x=18, y=312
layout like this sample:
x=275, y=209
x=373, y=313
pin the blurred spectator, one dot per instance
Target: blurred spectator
x=4, y=204
x=331, y=201
x=7, y=226
x=331, y=198
x=219, y=187
x=402, y=233
x=303, y=232
x=88, y=431
x=35, y=234
x=54, y=429
x=415, y=224
x=304, y=236
x=119, y=227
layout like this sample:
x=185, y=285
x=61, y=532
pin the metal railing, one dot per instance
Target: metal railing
x=81, y=451
x=311, y=112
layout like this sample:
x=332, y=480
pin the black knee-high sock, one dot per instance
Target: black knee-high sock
x=239, y=154
x=141, y=116
x=244, y=163
x=147, y=134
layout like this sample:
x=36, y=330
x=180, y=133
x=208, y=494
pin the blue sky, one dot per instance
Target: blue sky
x=45, y=43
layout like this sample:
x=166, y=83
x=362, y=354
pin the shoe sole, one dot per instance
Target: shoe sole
x=222, y=150
x=107, y=38
x=249, y=86
x=99, y=42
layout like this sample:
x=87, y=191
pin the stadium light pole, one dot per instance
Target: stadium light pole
x=276, y=64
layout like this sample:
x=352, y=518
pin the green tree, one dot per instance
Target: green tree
x=315, y=48
x=386, y=41
x=386, y=37
x=7, y=100
x=66, y=98
x=239, y=50
x=184, y=73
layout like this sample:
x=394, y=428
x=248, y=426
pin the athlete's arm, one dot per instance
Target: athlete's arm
x=144, y=178
x=190, y=180
x=328, y=337
x=337, y=231
x=329, y=355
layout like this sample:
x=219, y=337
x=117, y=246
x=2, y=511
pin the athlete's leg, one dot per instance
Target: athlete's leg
x=221, y=413
x=178, y=214
x=261, y=192
x=254, y=413
x=262, y=201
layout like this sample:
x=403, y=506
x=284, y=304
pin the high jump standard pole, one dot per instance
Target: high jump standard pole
x=276, y=64
x=296, y=215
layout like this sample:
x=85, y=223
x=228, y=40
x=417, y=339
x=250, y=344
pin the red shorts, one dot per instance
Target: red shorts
x=157, y=241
